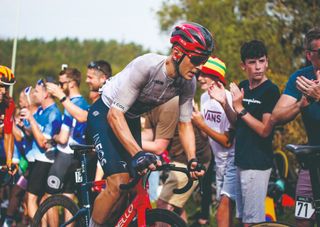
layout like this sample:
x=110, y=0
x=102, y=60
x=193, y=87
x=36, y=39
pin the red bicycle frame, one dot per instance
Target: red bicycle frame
x=141, y=202
x=139, y=205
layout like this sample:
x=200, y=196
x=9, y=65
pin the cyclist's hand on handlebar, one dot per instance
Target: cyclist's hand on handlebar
x=142, y=161
x=196, y=168
x=12, y=168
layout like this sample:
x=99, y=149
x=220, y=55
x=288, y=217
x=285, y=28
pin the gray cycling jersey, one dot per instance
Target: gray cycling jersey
x=143, y=85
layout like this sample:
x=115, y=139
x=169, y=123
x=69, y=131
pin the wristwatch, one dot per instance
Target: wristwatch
x=64, y=98
x=242, y=112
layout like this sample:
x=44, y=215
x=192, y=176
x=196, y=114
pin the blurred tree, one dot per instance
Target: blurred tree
x=281, y=24
x=37, y=58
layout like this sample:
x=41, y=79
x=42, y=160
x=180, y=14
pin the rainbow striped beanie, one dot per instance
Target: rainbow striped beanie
x=215, y=67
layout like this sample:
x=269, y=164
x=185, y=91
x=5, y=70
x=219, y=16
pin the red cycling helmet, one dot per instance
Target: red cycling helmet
x=6, y=76
x=193, y=38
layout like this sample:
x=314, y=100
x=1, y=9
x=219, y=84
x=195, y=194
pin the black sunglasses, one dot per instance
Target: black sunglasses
x=317, y=51
x=62, y=83
x=95, y=65
x=196, y=59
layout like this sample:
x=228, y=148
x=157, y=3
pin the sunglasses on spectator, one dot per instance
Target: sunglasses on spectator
x=27, y=92
x=95, y=65
x=316, y=51
x=62, y=83
x=40, y=82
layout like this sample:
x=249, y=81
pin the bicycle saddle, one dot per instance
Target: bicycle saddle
x=303, y=149
x=78, y=148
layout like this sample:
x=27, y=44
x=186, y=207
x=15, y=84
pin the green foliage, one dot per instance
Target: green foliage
x=280, y=24
x=37, y=58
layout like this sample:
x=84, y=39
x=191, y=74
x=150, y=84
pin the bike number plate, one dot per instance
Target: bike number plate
x=304, y=207
x=78, y=175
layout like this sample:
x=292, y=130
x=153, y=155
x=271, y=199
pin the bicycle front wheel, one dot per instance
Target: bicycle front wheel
x=161, y=217
x=271, y=224
x=55, y=211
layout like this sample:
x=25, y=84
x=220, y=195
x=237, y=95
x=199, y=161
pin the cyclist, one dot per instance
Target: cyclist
x=23, y=142
x=7, y=109
x=301, y=90
x=146, y=82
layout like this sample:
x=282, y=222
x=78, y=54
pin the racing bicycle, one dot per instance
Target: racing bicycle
x=138, y=213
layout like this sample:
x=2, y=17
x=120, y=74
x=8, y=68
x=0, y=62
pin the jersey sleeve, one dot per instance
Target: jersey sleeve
x=8, y=118
x=133, y=79
x=186, y=101
x=291, y=88
x=147, y=123
x=67, y=121
x=271, y=99
x=53, y=126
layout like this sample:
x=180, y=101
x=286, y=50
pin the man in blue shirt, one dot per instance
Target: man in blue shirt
x=61, y=174
x=44, y=124
x=303, y=85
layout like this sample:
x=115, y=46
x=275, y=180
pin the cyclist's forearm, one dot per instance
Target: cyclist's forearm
x=8, y=146
x=121, y=129
x=187, y=139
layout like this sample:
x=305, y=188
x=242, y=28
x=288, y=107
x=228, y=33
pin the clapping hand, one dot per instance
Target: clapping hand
x=310, y=88
x=217, y=91
x=196, y=117
x=237, y=97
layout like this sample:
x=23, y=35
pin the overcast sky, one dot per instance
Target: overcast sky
x=122, y=20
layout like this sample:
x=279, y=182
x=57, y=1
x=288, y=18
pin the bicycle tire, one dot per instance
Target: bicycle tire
x=53, y=201
x=281, y=163
x=161, y=216
x=271, y=224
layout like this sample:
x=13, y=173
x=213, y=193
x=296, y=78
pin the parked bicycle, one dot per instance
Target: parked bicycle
x=138, y=213
x=309, y=158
